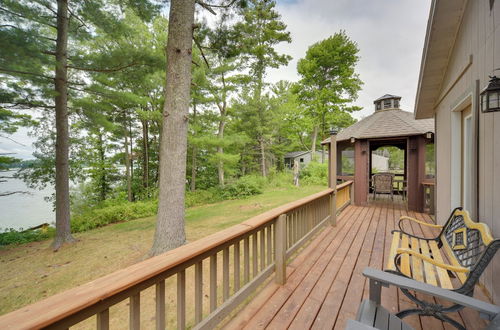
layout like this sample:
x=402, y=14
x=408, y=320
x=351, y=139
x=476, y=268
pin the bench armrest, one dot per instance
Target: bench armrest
x=404, y=217
x=380, y=278
x=458, y=269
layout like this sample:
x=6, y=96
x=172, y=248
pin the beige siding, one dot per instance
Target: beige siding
x=475, y=38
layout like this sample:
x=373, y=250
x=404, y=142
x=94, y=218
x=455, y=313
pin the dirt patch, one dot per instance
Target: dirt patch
x=249, y=207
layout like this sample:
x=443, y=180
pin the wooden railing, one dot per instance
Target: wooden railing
x=208, y=278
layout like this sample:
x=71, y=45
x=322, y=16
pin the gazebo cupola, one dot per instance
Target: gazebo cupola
x=387, y=102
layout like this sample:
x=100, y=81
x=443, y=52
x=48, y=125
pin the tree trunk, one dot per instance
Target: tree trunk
x=131, y=159
x=170, y=232
x=63, y=226
x=145, y=154
x=127, y=168
x=220, y=150
x=262, y=157
x=313, y=144
x=102, y=168
x=194, y=154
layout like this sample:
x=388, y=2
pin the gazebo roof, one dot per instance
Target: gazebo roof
x=387, y=96
x=385, y=124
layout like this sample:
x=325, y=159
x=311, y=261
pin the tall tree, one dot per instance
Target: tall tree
x=329, y=83
x=170, y=231
x=259, y=32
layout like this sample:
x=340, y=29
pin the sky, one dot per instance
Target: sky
x=390, y=35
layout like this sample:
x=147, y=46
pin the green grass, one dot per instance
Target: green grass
x=31, y=272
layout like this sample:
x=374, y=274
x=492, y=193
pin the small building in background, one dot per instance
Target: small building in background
x=304, y=158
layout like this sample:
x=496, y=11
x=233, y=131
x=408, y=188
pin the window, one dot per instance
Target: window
x=302, y=160
x=396, y=103
x=387, y=104
x=378, y=106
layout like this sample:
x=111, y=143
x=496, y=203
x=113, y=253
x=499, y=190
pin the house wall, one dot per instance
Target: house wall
x=478, y=36
x=381, y=163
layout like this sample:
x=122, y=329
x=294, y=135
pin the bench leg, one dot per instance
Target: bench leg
x=429, y=309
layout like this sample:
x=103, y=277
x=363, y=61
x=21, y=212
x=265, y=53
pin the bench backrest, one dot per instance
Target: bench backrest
x=464, y=239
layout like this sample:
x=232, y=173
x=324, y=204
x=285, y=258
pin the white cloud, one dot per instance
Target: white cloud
x=389, y=33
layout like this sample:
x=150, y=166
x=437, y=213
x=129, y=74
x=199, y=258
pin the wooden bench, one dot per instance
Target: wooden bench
x=453, y=260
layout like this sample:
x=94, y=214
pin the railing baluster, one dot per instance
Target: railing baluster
x=103, y=320
x=135, y=312
x=255, y=265
x=160, y=305
x=181, y=300
x=213, y=282
x=269, y=245
x=198, y=291
x=236, y=266
x=262, y=249
x=280, y=249
x=246, y=257
x=225, y=274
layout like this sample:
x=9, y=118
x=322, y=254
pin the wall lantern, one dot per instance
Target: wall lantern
x=353, y=139
x=428, y=135
x=490, y=96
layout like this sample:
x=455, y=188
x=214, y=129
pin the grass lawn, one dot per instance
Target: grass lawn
x=32, y=271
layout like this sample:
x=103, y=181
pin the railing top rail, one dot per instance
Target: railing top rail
x=64, y=304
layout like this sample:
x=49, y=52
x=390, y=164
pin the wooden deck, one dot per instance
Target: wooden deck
x=325, y=284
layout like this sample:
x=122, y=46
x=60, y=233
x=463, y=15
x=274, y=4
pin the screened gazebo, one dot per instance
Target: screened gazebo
x=388, y=126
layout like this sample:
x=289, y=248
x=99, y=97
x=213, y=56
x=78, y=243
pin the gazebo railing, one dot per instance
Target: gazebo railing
x=201, y=283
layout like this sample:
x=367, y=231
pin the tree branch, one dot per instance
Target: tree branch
x=8, y=138
x=26, y=18
x=206, y=6
x=201, y=50
x=26, y=73
x=14, y=192
x=102, y=70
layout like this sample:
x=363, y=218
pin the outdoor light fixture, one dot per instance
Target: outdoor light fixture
x=428, y=135
x=353, y=139
x=490, y=96
x=333, y=130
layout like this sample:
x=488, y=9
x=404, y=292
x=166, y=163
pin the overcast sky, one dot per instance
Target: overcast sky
x=389, y=33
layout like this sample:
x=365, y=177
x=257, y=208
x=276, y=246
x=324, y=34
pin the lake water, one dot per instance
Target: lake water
x=23, y=210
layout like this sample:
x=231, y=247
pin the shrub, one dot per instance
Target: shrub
x=314, y=173
x=95, y=218
x=12, y=236
x=245, y=186
x=201, y=197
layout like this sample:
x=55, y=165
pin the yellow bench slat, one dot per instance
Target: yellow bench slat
x=416, y=263
x=444, y=278
x=405, y=258
x=430, y=274
x=392, y=251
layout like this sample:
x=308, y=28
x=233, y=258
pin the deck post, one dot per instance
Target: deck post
x=332, y=156
x=280, y=250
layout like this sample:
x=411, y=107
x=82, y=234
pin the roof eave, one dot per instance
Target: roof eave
x=433, y=65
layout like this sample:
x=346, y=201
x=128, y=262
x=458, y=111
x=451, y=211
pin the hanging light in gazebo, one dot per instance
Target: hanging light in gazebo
x=490, y=96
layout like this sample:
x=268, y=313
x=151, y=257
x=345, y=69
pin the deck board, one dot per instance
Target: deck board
x=325, y=284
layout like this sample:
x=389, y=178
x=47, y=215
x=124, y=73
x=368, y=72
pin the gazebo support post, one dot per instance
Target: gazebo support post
x=361, y=163
x=332, y=176
x=416, y=171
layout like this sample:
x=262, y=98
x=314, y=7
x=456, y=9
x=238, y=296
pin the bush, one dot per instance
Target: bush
x=314, y=173
x=95, y=218
x=245, y=186
x=12, y=236
x=201, y=197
